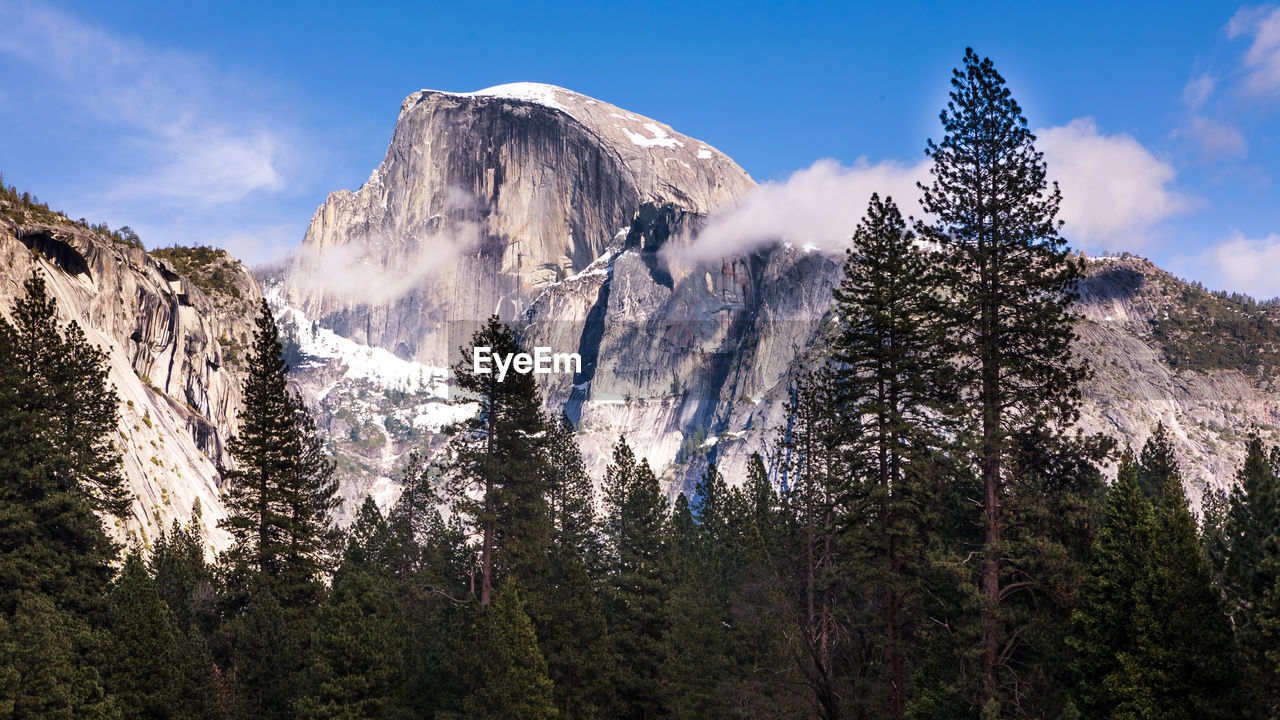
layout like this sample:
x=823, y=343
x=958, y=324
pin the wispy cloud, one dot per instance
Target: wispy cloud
x=1217, y=140
x=1114, y=191
x=193, y=138
x=1198, y=90
x=818, y=206
x=1238, y=264
x=1261, y=26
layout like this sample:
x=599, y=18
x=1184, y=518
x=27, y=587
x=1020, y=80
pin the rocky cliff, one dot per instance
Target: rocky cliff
x=557, y=212
x=173, y=346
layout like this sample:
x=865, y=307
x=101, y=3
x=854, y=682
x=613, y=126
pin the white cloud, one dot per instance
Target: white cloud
x=1237, y=264
x=1262, y=60
x=820, y=206
x=1198, y=90
x=1216, y=139
x=1113, y=189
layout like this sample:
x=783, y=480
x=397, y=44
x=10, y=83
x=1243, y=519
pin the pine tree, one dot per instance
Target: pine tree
x=59, y=464
x=1157, y=466
x=183, y=578
x=574, y=639
x=1185, y=650
x=1150, y=634
x=816, y=487
x=699, y=662
x=357, y=661
x=1009, y=283
x=571, y=504
x=50, y=667
x=637, y=582
x=282, y=491
x=150, y=663
x=567, y=615
x=514, y=683
x=1246, y=557
x=497, y=477
x=765, y=678
x=266, y=659
x=891, y=376
x=1103, y=619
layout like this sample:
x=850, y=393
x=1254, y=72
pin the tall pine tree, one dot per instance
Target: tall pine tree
x=59, y=462
x=497, y=476
x=891, y=377
x=282, y=491
x=1009, y=283
x=637, y=582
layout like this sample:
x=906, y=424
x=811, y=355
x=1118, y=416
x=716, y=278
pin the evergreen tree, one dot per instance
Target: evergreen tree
x=816, y=482
x=1248, y=561
x=59, y=464
x=891, y=377
x=50, y=667
x=765, y=680
x=152, y=670
x=1150, y=635
x=1157, y=466
x=1009, y=283
x=1103, y=619
x=514, y=683
x=699, y=660
x=637, y=582
x=497, y=477
x=183, y=578
x=267, y=658
x=574, y=639
x=282, y=491
x=567, y=615
x=1185, y=650
x=571, y=504
x=357, y=660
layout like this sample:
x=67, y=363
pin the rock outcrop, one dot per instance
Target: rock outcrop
x=174, y=352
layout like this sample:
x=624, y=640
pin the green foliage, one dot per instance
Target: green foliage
x=637, y=581
x=513, y=683
x=50, y=664
x=357, y=660
x=1009, y=282
x=497, y=476
x=1150, y=635
x=58, y=459
x=154, y=669
x=1204, y=331
x=210, y=269
x=282, y=491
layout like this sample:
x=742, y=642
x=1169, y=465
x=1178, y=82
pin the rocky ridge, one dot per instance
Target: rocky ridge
x=174, y=352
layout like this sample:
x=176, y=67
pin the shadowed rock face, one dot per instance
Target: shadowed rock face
x=164, y=338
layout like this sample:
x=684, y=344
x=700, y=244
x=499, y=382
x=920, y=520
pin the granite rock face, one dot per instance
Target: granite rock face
x=172, y=349
x=559, y=213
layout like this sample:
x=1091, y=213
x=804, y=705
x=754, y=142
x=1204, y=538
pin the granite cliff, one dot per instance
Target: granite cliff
x=557, y=212
x=174, y=350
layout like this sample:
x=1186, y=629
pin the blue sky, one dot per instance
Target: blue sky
x=227, y=123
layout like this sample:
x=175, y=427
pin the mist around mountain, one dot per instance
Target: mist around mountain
x=960, y=471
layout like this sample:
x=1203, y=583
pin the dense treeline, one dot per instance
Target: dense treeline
x=930, y=539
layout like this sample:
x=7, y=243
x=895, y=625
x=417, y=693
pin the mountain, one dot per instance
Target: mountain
x=174, y=341
x=560, y=213
x=566, y=216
